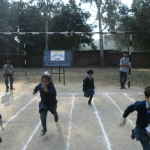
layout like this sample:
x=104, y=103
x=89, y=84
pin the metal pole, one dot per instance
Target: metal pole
x=25, y=63
x=59, y=74
x=51, y=71
x=130, y=52
x=64, y=74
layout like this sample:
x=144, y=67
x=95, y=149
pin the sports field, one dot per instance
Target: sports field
x=80, y=126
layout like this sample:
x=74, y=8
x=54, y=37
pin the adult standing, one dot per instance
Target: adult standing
x=8, y=72
x=124, y=67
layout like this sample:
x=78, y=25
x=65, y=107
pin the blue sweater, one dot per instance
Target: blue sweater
x=142, y=115
x=48, y=98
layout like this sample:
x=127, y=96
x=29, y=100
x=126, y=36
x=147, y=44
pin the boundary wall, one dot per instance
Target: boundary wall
x=83, y=58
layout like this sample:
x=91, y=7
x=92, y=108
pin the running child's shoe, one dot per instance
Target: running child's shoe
x=132, y=135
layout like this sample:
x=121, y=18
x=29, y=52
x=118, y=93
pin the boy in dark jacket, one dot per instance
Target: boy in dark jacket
x=88, y=86
x=141, y=131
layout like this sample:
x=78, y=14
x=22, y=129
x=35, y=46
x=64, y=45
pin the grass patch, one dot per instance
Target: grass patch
x=138, y=78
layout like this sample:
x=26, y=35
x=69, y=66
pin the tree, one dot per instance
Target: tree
x=141, y=14
x=106, y=15
x=6, y=41
x=71, y=19
x=137, y=20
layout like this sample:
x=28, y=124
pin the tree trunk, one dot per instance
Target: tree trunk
x=46, y=27
x=100, y=36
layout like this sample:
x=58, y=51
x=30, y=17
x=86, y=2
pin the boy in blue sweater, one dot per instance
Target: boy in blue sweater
x=143, y=119
x=88, y=86
x=48, y=100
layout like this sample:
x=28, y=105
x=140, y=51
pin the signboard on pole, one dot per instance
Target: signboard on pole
x=58, y=55
x=58, y=58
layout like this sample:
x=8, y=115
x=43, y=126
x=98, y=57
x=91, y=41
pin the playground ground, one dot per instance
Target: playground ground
x=80, y=126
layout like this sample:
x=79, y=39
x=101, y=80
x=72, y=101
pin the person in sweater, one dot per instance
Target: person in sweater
x=8, y=71
x=125, y=64
x=48, y=100
x=142, y=130
x=1, y=124
x=88, y=86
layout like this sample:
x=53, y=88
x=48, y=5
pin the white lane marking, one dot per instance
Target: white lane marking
x=140, y=93
x=31, y=136
x=20, y=110
x=3, y=95
x=102, y=127
x=95, y=93
x=69, y=129
x=10, y=101
x=119, y=108
x=128, y=97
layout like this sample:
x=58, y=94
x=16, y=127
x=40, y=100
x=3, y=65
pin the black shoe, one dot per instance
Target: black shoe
x=0, y=140
x=56, y=118
x=132, y=135
x=121, y=87
x=11, y=88
x=124, y=87
x=43, y=132
x=89, y=103
x=7, y=89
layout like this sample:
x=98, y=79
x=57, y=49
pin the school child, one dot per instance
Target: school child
x=142, y=130
x=1, y=124
x=88, y=86
x=8, y=72
x=48, y=100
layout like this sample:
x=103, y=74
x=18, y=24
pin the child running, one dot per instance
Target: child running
x=142, y=130
x=1, y=124
x=48, y=100
x=88, y=86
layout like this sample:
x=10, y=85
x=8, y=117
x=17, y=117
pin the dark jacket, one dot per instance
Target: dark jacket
x=88, y=84
x=48, y=98
x=142, y=115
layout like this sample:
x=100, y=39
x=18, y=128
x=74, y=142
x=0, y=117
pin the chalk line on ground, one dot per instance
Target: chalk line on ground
x=20, y=110
x=129, y=97
x=31, y=136
x=102, y=127
x=119, y=108
x=10, y=101
x=70, y=126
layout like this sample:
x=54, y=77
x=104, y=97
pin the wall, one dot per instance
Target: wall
x=139, y=59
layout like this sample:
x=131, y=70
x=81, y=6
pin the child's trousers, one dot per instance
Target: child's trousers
x=6, y=80
x=43, y=115
x=145, y=144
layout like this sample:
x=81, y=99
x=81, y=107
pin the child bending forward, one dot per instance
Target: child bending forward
x=48, y=100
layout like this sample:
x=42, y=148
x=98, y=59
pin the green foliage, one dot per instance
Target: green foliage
x=32, y=17
x=137, y=20
x=71, y=19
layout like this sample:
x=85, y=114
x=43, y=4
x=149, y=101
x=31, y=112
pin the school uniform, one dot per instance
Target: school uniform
x=88, y=87
x=48, y=103
x=1, y=122
x=143, y=120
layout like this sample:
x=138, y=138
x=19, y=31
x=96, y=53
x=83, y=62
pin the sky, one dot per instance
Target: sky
x=87, y=7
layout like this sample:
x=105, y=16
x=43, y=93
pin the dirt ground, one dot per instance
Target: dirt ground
x=80, y=126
